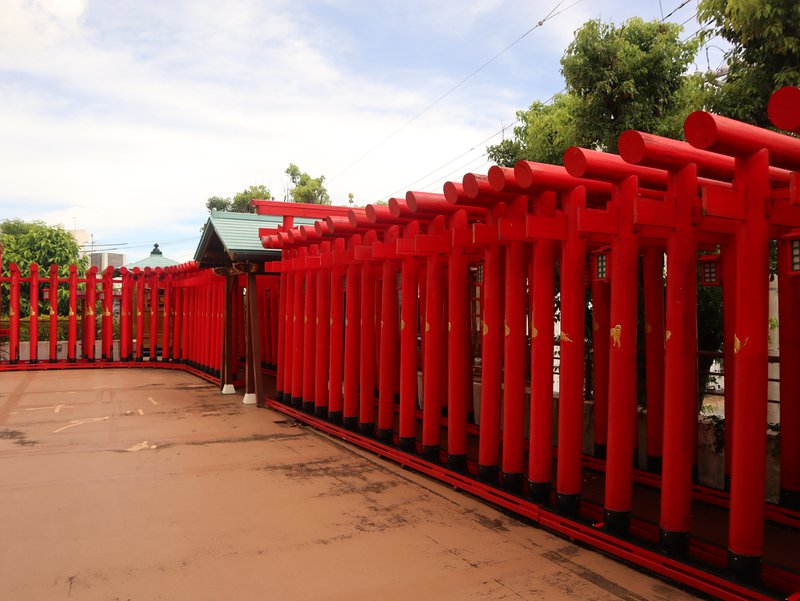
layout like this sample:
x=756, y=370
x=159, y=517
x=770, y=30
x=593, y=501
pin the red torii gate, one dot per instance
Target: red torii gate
x=351, y=346
x=670, y=197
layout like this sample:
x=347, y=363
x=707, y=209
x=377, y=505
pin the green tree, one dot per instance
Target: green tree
x=240, y=202
x=617, y=78
x=544, y=132
x=36, y=242
x=764, y=54
x=627, y=77
x=305, y=188
x=218, y=203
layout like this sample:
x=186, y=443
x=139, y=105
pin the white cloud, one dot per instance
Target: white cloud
x=115, y=114
x=33, y=25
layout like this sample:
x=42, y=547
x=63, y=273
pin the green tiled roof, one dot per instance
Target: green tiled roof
x=234, y=237
x=155, y=259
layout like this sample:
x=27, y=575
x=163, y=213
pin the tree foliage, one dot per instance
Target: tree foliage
x=617, y=78
x=764, y=54
x=36, y=242
x=544, y=132
x=305, y=188
x=218, y=203
x=626, y=77
x=240, y=203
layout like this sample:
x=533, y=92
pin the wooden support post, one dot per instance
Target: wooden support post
x=13, y=314
x=90, y=320
x=228, y=371
x=33, y=345
x=53, y=292
x=491, y=364
x=540, y=459
x=571, y=368
x=653, y=288
x=72, y=323
x=255, y=343
x=323, y=325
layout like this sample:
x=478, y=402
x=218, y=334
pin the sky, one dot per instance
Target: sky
x=122, y=117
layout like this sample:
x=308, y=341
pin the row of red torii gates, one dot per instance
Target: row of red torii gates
x=363, y=303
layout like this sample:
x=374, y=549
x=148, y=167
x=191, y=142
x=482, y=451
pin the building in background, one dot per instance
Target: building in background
x=101, y=260
x=155, y=259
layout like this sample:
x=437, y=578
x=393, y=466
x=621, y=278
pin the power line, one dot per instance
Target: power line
x=676, y=9
x=451, y=161
x=694, y=16
x=552, y=14
x=546, y=102
x=696, y=33
x=460, y=169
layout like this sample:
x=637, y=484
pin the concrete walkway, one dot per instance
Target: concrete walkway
x=147, y=484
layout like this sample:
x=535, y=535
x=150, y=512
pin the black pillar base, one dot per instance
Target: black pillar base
x=408, y=444
x=140, y=359
x=13, y=361
x=430, y=452
x=457, y=463
x=153, y=359
x=568, y=504
x=745, y=568
x=56, y=360
x=511, y=481
x=308, y=407
x=384, y=435
x=33, y=361
x=335, y=417
x=279, y=395
x=297, y=402
x=351, y=423
x=675, y=544
x=367, y=429
x=73, y=360
x=654, y=464
x=88, y=360
x=488, y=473
x=321, y=412
x=122, y=359
x=790, y=499
x=539, y=492
x=600, y=451
x=287, y=398
x=617, y=522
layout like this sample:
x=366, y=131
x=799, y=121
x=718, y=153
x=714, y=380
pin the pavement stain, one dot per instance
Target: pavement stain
x=564, y=579
x=496, y=524
x=378, y=520
x=17, y=436
x=330, y=466
x=277, y=437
